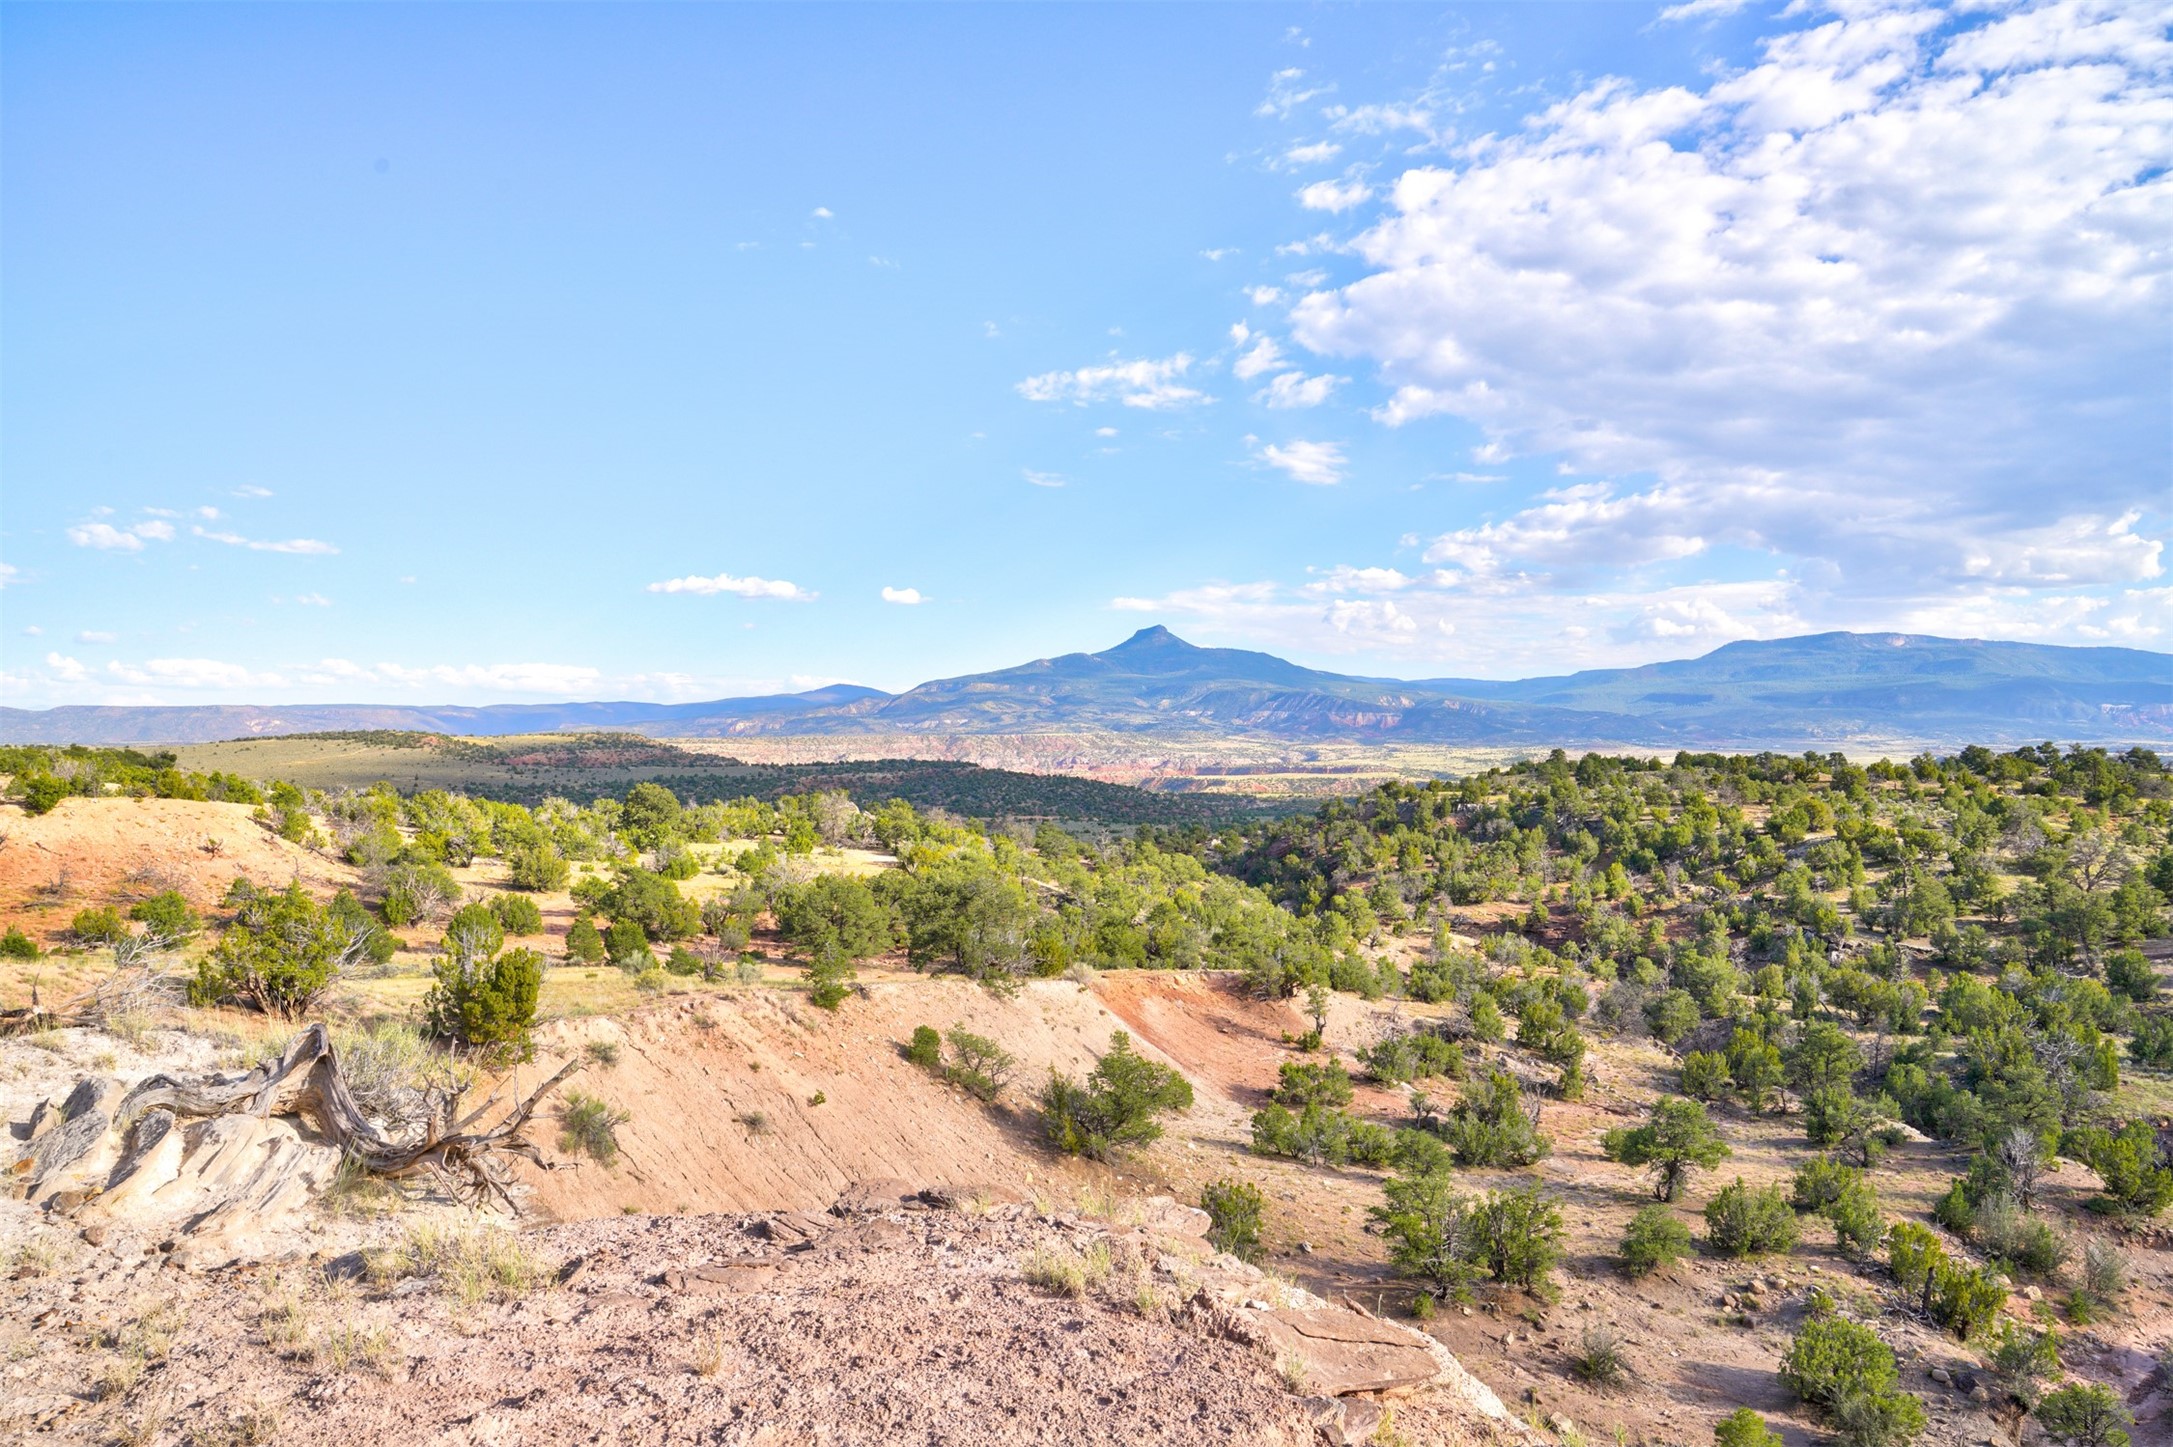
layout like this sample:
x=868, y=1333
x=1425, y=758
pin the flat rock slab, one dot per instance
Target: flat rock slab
x=725, y=1279
x=1345, y=1352
x=873, y=1198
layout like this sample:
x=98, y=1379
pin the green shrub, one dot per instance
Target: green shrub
x=830, y=977
x=1303, y=1083
x=1323, y=1135
x=2085, y=1414
x=1854, y=1215
x=1885, y=1419
x=2027, y=1244
x=415, y=891
x=2137, y=1182
x=2020, y=1359
x=584, y=942
x=1671, y=1015
x=588, y=1126
x=484, y=1001
x=979, y=1066
x=283, y=952
x=1745, y=1428
x=40, y=792
x=1677, y=1139
x=926, y=1050
x=1819, y=1182
x=15, y=945
x=626, y=944
x=1916, y=1257
x=1492, y=1125
x=536, y=867
x=1436, y=1234
x=1705, y=1077
x=518, y=914
x=1234, y=1209
x=1486, y=1020
x=1116, y=1108
x=168, y=915
x=1965, y=1299
x=1655, y=1240
x=99, y=925
x=1833, y=1358
x=685, y=963
x=1743, y=1222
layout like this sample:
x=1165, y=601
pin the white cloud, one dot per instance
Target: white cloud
x=1295, y=389
x=193, y=673
x=1889, y=304
x=1105, y=432
x=1264, y=295
x=1319, y=463
x=1345, y=579
x=822, y=213
x=1702, y=9
x=313, y=600
x=738, y=587
x=1145, y=382
x=207, y=513
x=1472, y=477
x=1219, y=253
x=1287, y=90
x=1318, y=153
x=252, y=490
x=8, y=574
x=1260, y=354
x=310, y=547
x=1374, y=120
x=108, y=538
x=92, y=635
x=548, y=678
x=66, y=669
x=1043, y=479
x=1337, y=196
x=909, y=597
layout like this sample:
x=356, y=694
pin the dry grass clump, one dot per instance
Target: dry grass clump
x=470, y=1265
x=1061, y=1271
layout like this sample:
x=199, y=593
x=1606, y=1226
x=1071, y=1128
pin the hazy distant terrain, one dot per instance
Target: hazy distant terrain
x=1828, y=690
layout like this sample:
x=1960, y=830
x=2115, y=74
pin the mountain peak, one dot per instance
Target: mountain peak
x=1156, y=637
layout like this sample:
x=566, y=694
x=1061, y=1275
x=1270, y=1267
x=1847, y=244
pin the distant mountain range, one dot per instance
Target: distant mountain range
x=1827, y=688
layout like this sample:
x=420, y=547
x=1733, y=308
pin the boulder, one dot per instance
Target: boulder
x=1345, y=1352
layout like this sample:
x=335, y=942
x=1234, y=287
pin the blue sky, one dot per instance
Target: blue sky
x=477, y=353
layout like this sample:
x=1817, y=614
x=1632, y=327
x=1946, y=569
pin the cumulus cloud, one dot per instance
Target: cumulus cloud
x=749, y=587
x=908, y=597
x=1321, y=464
x=1889, y=304
x=1043, y=479
x=1143, y=382
x=1295, y=389
x=8, y=574
x=305, y=546
x=1333, y=195
x=1316, y=154
x=66, y=669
